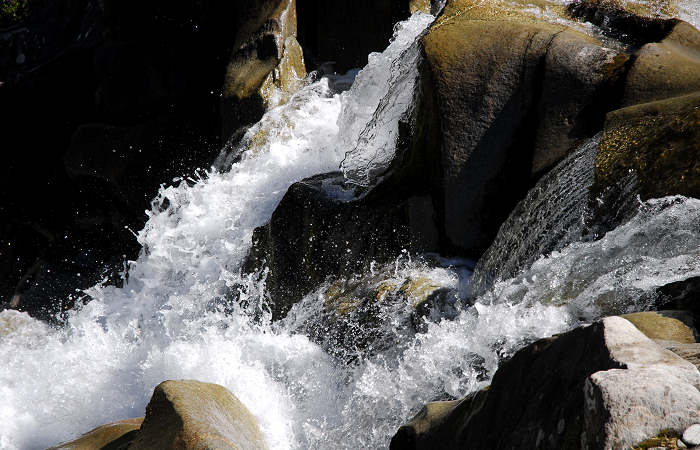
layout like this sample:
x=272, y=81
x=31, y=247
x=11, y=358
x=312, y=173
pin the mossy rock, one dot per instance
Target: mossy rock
x=113, y=436
x=665, y=325
x=657, y=143
x=665, y=439
x=419, y=5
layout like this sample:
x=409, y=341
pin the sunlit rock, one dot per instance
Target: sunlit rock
x=602, y=386
x=267, y=64
x=113, y=436
x=196, y=416
x=675, y=326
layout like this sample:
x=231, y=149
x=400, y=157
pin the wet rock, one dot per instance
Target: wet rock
x=691, y=436
x=646, y=151
x=650, y=150
x=551, y=216
x=512, y=103
x=113, y=436
x=628, y=21
x=376, y=311
x=601, y=386
x=313, y=234
x=195, y=415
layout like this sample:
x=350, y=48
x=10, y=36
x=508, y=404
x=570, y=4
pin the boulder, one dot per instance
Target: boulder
x=113, y=436
x=266, y=59
x=514, y=94
x=665, y=69
x=196, y=416
x=629, y=22
x=646, y=151
x=313, y=234
x=377, y=310
x=601, y=386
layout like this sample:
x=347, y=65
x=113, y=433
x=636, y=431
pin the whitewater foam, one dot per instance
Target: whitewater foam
x=168, y=322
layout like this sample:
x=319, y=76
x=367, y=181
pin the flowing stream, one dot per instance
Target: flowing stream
x=167, y=323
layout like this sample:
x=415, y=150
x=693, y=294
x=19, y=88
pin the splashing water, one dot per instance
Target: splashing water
x=165, y=323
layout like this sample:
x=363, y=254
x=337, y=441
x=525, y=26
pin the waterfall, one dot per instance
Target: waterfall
x=172, y=320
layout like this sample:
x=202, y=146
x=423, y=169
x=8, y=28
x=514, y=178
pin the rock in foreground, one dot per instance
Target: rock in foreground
x=183, y=415
x=193, y=415
x=602, y=386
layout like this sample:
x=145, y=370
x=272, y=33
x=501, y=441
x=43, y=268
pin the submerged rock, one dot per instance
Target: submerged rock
x=113, y=436
x=377, y=311
x=601, y=386
x=196, y=416
x=314, y=233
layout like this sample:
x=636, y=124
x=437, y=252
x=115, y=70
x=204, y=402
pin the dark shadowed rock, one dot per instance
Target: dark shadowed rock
x=314, y=233
x=602, y=386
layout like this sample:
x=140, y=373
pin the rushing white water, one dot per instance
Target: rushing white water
x=165, y=323
x=373, y=142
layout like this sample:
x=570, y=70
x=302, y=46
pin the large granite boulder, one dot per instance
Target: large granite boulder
x=649, y=150
x=197, y=416
x=646, y=151
x=606, y=385
x=500, y=97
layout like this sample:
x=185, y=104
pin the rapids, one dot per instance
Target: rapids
x=167, y=322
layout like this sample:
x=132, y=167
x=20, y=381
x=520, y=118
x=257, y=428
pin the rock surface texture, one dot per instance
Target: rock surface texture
x=603, y=386
x=113, y=436
x=194, y=415
x=183, y=415
x=648, y=147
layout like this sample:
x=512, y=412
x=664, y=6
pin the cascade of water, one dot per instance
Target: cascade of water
x=165, y=323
